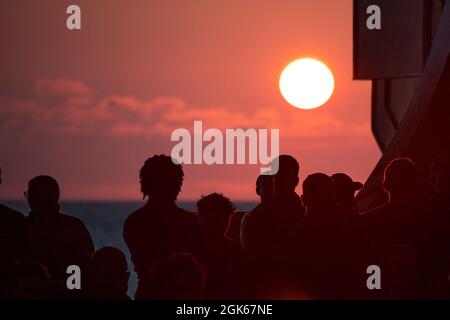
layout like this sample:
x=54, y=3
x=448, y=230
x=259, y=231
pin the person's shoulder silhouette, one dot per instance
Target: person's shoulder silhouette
x=160, y=228
x=250, y=229
x=55, y=237
x=223, y=257
x=13, y=237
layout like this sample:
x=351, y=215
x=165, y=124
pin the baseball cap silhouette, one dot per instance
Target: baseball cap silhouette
x=343, y=181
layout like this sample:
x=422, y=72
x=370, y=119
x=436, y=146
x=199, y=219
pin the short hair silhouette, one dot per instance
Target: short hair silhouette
x=161, y=178
x=400, y=177
x=27, y=280
x=214, y=212
x=69, y=234
x=288, y=166
x=43, y=193
x=286, y=178
x=319, y=190
x=108, y=274
x=178, y=277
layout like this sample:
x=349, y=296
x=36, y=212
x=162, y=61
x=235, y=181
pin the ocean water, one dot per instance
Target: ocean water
x=105, y=220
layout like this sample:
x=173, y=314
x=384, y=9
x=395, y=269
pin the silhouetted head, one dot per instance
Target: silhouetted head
x=43, y=194
x=27, y=280
x=319, y=194
x=161, y=178
x=108, y=273
x=440, y=174
x=264, y=187
x=401, y=179
x=286, y=179
x=179, y=277
x=214, y=212
x=345, y=188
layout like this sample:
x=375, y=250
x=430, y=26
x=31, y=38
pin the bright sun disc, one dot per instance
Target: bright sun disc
x=306, y=83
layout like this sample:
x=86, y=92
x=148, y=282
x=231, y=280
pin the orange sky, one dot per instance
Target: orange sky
x=88, y=107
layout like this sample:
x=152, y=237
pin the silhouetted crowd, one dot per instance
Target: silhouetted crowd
x=314, y=246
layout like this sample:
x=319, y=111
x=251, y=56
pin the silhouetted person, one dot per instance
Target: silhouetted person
x=55, y=237
x=178, y=277
x=160, y=229
x=319, y=242
x=265, y=226
x=399, y=219
x=401, y=223
x=223, y=257
x=108, y=275
x=272, y=219
x=27, y=280
x=319, y=197
x=353, y=246
x=264, y=188
x=13, y=239
x=250, y=236
x=345, y=195
x=287, y=204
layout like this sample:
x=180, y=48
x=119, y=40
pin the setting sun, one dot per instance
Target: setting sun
x=306, y=83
